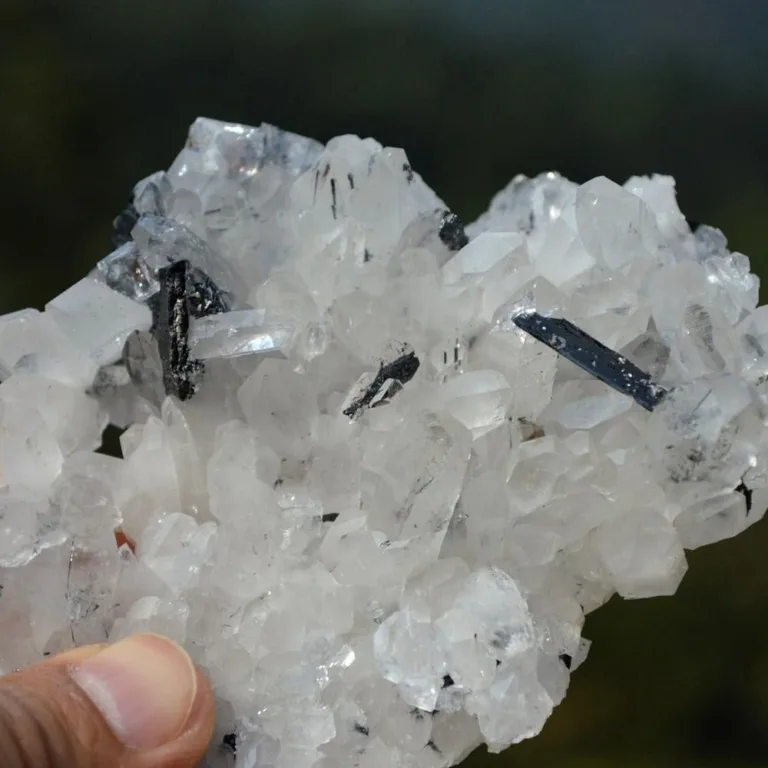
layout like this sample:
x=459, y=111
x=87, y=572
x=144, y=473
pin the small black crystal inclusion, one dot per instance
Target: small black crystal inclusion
x=452, y=232
x=229, y=742
x=204, y=296
x=746, y=493
x=403, y=370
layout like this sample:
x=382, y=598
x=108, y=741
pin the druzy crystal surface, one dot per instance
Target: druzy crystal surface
x=377, y=466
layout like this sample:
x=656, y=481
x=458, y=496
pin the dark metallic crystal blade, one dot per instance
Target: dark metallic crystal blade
x=402, y=370
x=185, y=292
x=593, y=357
x=171, y=331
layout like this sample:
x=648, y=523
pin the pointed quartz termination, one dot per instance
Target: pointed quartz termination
x=593, y=357
x=235, y=334
x=144, y=366
x=125, y=271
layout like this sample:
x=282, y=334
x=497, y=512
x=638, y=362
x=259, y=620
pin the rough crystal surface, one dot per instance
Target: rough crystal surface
x=378, y=466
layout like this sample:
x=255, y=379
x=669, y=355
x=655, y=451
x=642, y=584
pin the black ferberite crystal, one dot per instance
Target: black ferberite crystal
x=402, y=370
x=172, y=331
x=452, y=232
x=593, y=357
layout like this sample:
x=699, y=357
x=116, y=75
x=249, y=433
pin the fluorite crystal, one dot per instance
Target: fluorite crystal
x=376, y=467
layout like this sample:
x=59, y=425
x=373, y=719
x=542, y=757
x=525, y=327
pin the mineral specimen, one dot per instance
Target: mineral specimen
x=377, y=467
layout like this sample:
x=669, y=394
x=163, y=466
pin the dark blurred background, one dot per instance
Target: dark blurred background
x=96, y=94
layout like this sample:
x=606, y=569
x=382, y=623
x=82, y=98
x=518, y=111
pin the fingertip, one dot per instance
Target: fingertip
x=124, y=704
x=189, y=748
x=144, y=686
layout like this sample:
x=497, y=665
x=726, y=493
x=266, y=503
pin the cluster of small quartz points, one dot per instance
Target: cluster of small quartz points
x=367, y=503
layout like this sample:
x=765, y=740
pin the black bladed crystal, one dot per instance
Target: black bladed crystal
x=186, y=292
x=593, y=357
x=402, y=370
x=172, y=330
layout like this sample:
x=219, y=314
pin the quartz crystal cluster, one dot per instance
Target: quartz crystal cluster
x=376, y=467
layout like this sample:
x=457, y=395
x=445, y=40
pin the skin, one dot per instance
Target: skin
x=47, y=721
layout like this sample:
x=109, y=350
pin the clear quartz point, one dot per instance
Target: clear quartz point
x=126, y=272
x=234, y=334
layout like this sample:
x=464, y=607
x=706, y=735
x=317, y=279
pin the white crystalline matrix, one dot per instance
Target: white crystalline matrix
x=377, y=467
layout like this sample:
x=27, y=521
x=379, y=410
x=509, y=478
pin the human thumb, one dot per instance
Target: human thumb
x=140, y=703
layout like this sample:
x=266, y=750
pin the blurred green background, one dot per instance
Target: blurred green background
x=96, y=94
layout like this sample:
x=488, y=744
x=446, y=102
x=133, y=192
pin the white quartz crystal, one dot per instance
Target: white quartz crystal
x=234, y=334
x=369, y=503
x=98, y=319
